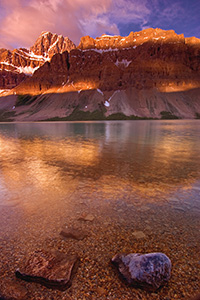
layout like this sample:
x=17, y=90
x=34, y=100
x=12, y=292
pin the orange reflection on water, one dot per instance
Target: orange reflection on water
x=41, y=168
x=40, y=161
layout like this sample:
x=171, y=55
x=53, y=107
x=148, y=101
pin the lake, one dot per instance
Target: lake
x=128, y=176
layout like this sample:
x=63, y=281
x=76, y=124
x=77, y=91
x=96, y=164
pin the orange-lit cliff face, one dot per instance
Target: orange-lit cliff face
x=147, y=59
x=142, y=74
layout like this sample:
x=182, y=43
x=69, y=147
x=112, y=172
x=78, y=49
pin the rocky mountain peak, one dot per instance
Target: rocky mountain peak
x=49, y=44
x=17, y=64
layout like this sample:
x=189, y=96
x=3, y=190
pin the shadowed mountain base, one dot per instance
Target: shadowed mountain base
x=129, y=104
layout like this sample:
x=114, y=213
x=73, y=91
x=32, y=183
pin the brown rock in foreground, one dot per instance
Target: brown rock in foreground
x=49, y=269
x=149, y=271
x=12, y=290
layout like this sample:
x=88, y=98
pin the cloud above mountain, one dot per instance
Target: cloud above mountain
x=21, y=21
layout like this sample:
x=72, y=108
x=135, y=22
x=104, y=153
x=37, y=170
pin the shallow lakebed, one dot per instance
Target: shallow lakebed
x=140, y=182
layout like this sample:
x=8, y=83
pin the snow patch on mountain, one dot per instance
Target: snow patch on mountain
x=32, y=56
x=100, y=92
x=27, y=70
x=3, y=91
x=123, y=63
x=107, y=104
x=101, y=50
x=54, y=44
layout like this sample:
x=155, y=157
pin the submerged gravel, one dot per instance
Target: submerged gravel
x=111, y=230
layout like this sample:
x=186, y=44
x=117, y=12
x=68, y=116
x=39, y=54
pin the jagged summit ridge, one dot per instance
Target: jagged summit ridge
x=134, y=39
x=49, y=44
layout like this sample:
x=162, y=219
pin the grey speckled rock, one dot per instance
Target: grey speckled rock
x=149, y=271
x=50, y=269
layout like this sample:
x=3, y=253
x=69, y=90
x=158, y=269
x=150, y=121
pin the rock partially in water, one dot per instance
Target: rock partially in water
x=53, y=270
x=73, y=233
x=12, y=290
x=149, y=271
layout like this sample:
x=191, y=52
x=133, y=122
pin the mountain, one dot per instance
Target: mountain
x=152, y=73
x=49, y=44
x=17, y=64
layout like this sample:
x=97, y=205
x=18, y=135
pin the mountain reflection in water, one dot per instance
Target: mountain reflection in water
x=146, y=157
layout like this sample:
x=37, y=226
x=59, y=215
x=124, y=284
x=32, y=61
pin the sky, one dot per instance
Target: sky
x=22, y=21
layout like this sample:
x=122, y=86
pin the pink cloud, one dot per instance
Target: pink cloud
x=125, y=11
x=23, y=21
